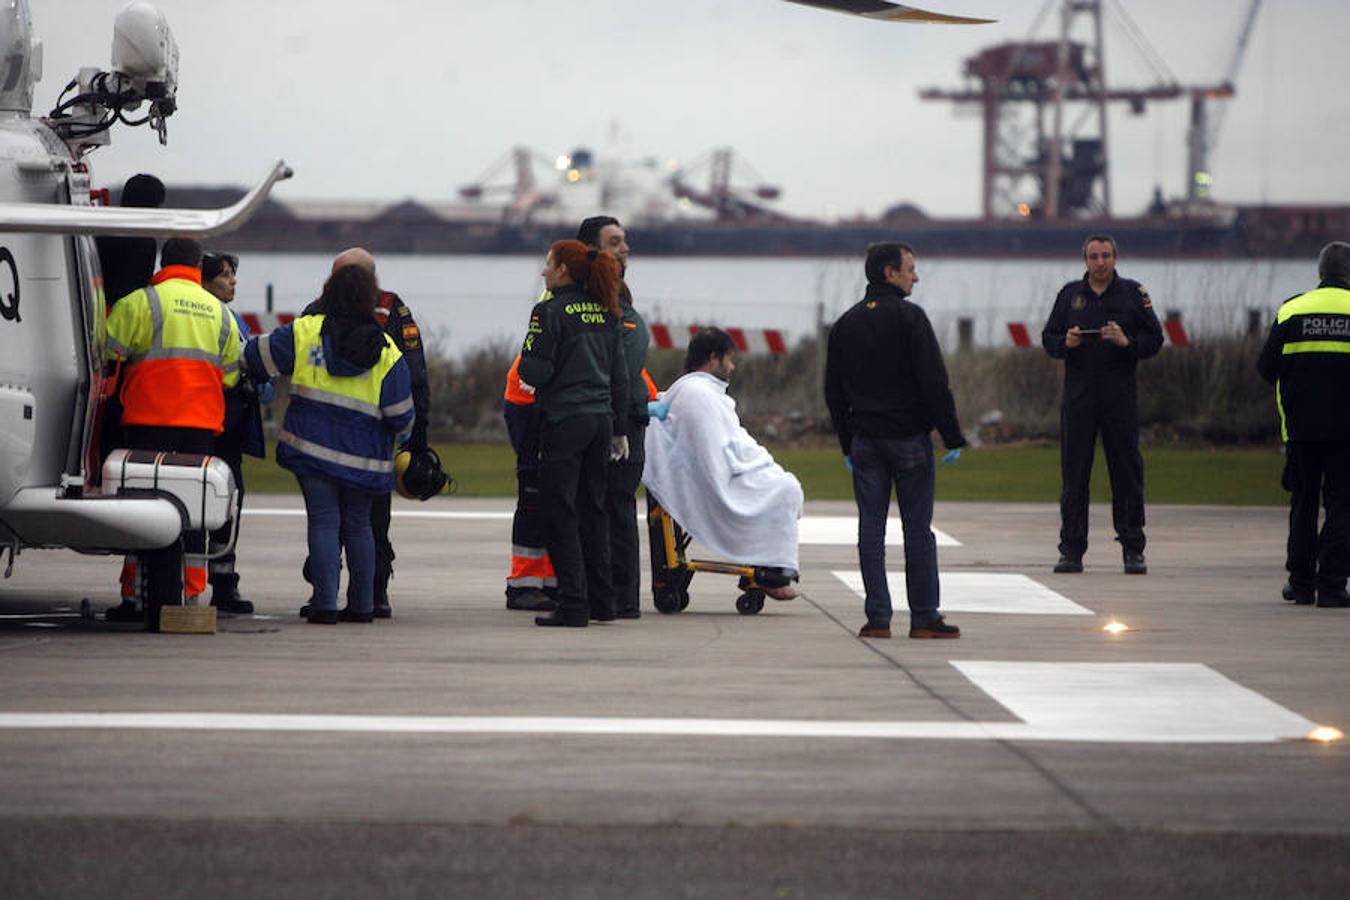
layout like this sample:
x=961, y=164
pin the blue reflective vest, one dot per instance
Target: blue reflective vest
x=341, y=420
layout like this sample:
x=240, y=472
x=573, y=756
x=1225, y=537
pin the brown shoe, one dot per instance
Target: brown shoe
x=937, y=630
x=786, y=592
x=875, y=631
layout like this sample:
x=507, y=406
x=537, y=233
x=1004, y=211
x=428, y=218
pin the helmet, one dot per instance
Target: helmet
x=419, y=476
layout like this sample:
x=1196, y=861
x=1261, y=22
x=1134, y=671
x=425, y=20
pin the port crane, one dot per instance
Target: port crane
x=1023, y=90
x=730, y=202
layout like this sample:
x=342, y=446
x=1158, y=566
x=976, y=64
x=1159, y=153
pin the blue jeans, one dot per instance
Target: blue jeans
x=908, y=464
x=339, y=518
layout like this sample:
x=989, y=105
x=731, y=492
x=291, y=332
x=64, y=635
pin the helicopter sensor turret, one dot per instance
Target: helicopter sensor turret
x=144, y=70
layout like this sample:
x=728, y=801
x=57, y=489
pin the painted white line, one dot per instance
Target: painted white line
x=468, y=515
x=1134, y=702
x=980, y=592
x=829, y=530
x=842, y=531
x=494, y=725
x=1064, y=702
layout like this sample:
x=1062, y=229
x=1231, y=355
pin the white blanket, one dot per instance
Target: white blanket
x=717, y=481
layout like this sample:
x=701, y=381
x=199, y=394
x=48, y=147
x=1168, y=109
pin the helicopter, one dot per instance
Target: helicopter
x=891, y=12
x=58, y=488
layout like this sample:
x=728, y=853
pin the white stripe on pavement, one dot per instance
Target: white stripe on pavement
x=842, y=531
x=979, y=592
x=470, y=515
x=821, y=530
x=1079, y=702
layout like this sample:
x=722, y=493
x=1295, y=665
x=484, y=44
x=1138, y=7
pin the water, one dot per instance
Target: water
x=462, y=302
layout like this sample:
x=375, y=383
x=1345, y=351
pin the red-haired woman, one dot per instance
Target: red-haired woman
x=572, y=361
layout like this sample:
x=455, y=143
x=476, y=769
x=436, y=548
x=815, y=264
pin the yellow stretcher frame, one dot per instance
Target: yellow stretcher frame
x=672, y=570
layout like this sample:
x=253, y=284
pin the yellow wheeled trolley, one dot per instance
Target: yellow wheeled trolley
x=672, y=570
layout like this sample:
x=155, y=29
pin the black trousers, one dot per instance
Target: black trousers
x=1317, y=473
x=573, y=455
x=622, y=480
x=384, y=548
x=1113, y=415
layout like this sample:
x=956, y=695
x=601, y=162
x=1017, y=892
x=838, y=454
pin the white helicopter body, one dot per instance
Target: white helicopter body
x=52, y=307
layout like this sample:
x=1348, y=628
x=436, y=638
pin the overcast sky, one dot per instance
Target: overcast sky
x=413, y=98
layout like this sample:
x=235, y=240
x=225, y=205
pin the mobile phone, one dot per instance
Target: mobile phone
x=1092, y=331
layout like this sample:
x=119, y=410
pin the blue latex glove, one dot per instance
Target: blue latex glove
x=951, y=456
x=658, y=409
x=848, y=463
x=267, y=392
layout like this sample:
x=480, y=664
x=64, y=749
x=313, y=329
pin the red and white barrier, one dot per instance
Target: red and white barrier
x=1172, y=325
x=748, y=340
x=262, y=323
x=1176, y=331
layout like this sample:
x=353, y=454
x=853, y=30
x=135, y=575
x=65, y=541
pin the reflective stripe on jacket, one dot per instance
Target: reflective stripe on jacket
x=181, y=350
x=1307, y=357
x=339, y=425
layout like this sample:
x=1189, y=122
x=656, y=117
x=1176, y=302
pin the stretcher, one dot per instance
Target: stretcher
x=672, y=570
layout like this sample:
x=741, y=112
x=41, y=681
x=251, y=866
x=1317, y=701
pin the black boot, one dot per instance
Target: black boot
x=382, y=608
x=225, y=597
x=562, y=619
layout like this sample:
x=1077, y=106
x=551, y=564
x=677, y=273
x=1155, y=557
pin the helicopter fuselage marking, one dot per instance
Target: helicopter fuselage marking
x=9, y=303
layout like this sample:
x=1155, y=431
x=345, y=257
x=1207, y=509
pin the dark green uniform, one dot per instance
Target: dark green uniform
x=625, y=475
x=573, y=359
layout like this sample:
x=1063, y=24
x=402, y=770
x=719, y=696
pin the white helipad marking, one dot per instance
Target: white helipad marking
x=843, y=531
x=980, y=592
x=832, y=530
x=1078, y=702
x=470, y=515
x=1133, y=702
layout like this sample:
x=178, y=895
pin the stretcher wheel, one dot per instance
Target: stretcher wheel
x=750, y=602
x=670, y=601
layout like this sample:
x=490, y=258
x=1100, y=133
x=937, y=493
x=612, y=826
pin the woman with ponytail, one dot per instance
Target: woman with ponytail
x=572, y=362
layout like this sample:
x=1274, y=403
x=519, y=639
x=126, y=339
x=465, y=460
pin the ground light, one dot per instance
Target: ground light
x=1325, y=734
x=1114, y=627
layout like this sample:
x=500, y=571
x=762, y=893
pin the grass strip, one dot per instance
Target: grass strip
x=1002, y=474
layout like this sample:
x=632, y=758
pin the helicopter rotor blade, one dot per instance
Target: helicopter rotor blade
x=125, y=220
x=892, y=12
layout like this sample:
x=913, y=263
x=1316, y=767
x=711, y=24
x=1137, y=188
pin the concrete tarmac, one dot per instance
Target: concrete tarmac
x=458, y=750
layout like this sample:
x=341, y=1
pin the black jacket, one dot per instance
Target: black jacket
x=1096, y=363
x=884, y=375
x=634, y=338
x=127, y=263
x=1312, y=381
x=572, y=357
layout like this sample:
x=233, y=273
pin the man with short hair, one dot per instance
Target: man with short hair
x=886, y=390
x=1307, y=358
x=1101, y=326
x=178, y=349
x=717, y=481
x=623, y=476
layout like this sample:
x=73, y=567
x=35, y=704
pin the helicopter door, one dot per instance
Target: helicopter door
x=90, y=321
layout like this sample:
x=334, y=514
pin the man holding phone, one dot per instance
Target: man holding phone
x=1101, y=326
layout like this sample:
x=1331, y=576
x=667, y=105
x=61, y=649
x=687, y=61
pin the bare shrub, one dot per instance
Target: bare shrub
x=1208, y=391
